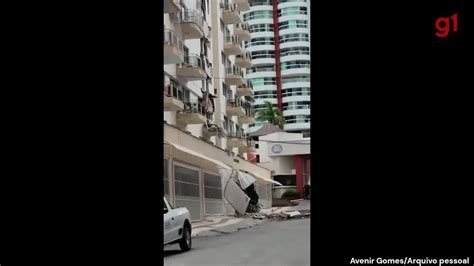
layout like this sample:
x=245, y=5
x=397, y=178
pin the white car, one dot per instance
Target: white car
x=177, y=226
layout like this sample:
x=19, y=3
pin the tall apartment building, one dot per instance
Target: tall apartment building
x=280, y=51
x=208, y=103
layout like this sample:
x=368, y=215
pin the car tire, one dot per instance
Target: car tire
x=186, y=241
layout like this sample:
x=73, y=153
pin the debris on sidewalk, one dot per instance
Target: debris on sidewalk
x=256, y=215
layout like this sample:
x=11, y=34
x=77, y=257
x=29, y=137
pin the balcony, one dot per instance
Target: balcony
x=234, y=76
x=249, y=116
x=233, y=46
x=173, y=48
x=193, y=113
x=172, y=98
x=234, y=108
x=192, y=24
x=244, y=60
x=243, y=5
x=230, y=14
x=211, y=130
x=171, y=6
x=244, y=89
x=193, y=68
x=250, y=147
x=236, y=140
x=242, y=31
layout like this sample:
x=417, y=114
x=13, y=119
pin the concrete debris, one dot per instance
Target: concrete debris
x=286, y=214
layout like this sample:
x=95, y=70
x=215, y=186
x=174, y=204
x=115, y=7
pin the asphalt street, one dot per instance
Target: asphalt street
x=271, y=243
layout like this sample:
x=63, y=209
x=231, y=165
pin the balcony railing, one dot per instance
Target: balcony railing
x=194, y=106
x=234, y=70
x=248, y=84
x=192, y=15
x=246, y=55
x=229, y=7
x=193, y=60
x=243, y=26
x=236, y=135
x=232, y=40
x=235, y=102
x=171, y=37
x=172, y=90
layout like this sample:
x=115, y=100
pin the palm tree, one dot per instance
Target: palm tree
x=271, y=114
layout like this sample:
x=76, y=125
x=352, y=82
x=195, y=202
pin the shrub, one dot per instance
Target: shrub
x=290, y=193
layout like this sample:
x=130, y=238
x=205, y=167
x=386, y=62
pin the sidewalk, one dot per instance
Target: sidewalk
x=222, y=225
x=228, y=224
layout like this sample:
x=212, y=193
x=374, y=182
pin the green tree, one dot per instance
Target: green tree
x=271, y=115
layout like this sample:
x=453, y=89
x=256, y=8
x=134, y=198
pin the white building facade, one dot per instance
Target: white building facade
x=280, y=52
x=208, y=103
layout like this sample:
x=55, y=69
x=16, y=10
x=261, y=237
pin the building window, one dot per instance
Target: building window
x=261, y=2
x=268, y=94
x=296, y=10
x=294, y=51
x=261, y=69
x=297, y=105
x=295, y=64
x=304, y=91
x=293, y=24
x=258, y=14
x=263, y=54
x=263, y=81
x=259, y=41
x=295, y=37
x=257, y=158
x=302, y=78
x=293, y=119
x=261, y=28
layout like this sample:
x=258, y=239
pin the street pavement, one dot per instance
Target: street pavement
x=282, y=243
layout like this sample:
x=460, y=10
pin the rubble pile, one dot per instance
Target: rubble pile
x=285, y=215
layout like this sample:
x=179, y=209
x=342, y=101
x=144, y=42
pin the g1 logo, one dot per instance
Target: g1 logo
x=443, y=25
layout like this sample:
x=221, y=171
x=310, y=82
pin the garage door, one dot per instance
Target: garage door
x=187, y=189
x=213, y=202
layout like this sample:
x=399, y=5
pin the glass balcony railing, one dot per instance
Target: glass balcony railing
x=234, y=70
x=193, y=60
x=235, y=102
x=191, y=15
x=242, y=26
x=171, y=37
x=246, y=55
x=173, y=90
x=229, y=7
x=232, y=40
x=194, y=106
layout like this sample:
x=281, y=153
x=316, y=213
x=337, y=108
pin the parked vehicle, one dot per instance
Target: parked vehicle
x=177, y=226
